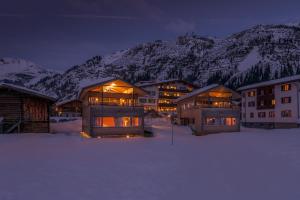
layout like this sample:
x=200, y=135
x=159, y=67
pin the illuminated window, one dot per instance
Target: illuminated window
x=135, y=121
x=105, y=122
x=230, y=121
x=273, y=102
x=93, y=100
x=125, y=122
x=286, y=87
x=251, y=94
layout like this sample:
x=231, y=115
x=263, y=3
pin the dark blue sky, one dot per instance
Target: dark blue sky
x=60, y=33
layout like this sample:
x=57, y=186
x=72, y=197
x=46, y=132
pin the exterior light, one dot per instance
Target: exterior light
x=84, y=135
x=127, y=136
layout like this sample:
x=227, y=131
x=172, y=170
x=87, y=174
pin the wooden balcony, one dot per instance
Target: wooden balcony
x=173, y=90
x=108, y=110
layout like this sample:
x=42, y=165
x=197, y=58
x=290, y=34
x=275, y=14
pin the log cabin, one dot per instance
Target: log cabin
x=110, y=108
x=23, y=110
x=211, y=109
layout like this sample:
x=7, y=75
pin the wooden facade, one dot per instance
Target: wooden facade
x=23, y=110
x=110, y=108
x=71, y=108
x=211, y=109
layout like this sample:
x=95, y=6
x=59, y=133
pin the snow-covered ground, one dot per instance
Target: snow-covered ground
x=253, y=164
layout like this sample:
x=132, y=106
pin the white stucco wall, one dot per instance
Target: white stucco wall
x=293, y=106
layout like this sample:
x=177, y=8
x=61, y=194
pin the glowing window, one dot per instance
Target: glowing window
x=105, y=122
x=135, y=121
x=286, y=87
x=230, y=121
x=125, y=122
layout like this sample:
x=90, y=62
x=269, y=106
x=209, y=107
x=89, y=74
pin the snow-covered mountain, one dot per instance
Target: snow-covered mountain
x=21, y=72
x=260, y=53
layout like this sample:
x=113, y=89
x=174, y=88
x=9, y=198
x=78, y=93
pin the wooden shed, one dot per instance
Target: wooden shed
x=23, y=110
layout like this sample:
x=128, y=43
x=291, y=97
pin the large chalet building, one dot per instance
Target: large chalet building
x=211, y=109
x=110, y=108
x=272, y=104
x=162, y=94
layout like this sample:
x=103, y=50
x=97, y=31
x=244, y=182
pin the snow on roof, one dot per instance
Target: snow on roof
x=272, y=82
x=66, y=101
x=197, y=92
x=26, y=91
x=91, y=82
x=156, y=82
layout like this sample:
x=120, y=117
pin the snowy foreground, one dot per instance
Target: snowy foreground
x=253, y=164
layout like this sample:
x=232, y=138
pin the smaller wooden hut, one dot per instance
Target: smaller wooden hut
x=68, y=108
x=23, y=110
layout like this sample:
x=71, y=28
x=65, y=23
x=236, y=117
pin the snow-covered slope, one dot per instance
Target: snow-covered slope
x=260, y=53
x=21, y=72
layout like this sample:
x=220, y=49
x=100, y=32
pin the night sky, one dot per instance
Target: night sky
x=60, y=33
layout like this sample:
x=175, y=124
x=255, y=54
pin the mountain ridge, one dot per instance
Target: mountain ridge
x=260, y=53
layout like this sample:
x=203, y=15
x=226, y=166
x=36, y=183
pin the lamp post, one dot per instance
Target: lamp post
x=172, y=117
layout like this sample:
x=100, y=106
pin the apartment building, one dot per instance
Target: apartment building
x=162, y=94
x=272, y=104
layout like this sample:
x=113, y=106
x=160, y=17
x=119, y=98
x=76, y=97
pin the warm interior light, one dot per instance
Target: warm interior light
x=127, y=136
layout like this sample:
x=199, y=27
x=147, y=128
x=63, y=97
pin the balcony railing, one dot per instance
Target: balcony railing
x=168, y=97
x=109, y=110
x=173, y=90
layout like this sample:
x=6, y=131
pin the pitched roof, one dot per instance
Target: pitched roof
x=66, y=101
x=197, y=92
x=26, y=91
x=103, y=81
x=150, y=83
x=272, y=82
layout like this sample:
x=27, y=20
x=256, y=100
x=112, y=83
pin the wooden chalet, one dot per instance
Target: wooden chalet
x=23, y=110
x=110, y=108
x=211, y=109
x=69, y=108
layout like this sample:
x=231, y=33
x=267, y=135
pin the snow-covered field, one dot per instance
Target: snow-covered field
x=251, y=165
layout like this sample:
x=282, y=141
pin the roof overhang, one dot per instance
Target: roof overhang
x=27, y=91
x=82, y=92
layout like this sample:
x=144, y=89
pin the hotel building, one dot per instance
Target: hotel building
x=272, y=104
